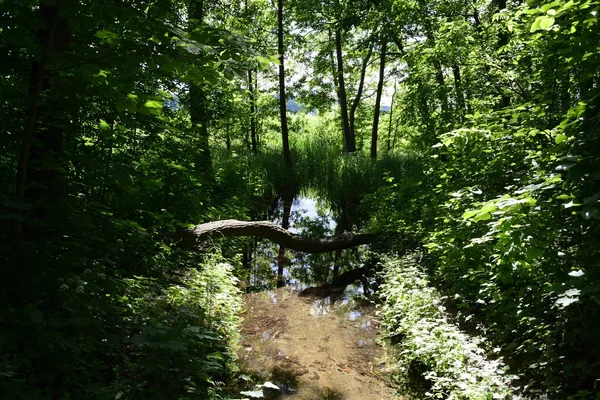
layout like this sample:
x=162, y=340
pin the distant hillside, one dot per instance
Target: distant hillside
x=293, y=106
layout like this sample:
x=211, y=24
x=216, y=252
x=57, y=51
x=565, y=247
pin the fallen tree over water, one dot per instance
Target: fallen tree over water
x=269, y=230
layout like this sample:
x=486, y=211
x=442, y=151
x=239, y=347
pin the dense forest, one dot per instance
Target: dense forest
x=453, y=143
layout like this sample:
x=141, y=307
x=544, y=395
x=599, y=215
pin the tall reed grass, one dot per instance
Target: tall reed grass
x=319, y=165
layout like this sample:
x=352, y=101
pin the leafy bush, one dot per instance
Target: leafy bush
x=425, y=343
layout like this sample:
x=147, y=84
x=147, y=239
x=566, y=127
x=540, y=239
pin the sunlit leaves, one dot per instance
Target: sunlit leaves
x=544, y=22
x=153, y=106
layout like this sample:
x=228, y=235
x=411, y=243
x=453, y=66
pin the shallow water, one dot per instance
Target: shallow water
x=273, y=268
x=314, y=348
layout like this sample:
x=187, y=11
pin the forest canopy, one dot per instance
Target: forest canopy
x=462, y=135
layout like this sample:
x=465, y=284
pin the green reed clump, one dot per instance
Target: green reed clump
x=319, y=164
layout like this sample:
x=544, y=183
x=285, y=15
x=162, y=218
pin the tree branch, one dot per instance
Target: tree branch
x=275, y=233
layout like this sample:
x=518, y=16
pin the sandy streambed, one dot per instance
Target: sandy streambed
x=313, y=348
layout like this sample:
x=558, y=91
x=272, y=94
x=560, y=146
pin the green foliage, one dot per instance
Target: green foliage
x=492, y=170
x=425, y=344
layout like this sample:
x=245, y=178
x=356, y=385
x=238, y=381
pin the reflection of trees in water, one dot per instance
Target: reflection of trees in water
x=273, y=266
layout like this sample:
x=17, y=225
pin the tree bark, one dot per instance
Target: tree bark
x=349, y=139
x=391, y=116
x=332, y=58
x=198, y=114
x=227, y=137
x=42, y=140
x=252, y=113
x=287, y=157
x=439, y=77
x=361, y=85
x=460, y=96
x=189, y=238
x=374, y=132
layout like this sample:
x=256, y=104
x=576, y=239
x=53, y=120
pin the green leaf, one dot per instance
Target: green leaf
x=153, y=104
x=104, y=125
x=544, y=22
x=560, y=138
x=548, y=6
x=263, y=63
x=155, y=107
x=565, y=197
x=482, y=217
x=547, y=22
x=533, y=253
x=469, y=214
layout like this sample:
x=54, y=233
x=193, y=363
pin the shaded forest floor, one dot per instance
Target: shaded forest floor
x=313, y=348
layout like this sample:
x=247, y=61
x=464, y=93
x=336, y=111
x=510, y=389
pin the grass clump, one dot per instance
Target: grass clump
x=432, y=357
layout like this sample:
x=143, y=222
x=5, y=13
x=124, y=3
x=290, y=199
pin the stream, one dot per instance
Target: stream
x=309, y=347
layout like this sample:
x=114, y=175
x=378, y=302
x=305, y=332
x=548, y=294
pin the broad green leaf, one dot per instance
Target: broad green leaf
x=565, y=197
x=153, y=107
x=533, y=253
x=547, y=7
x=104, y=125
x=263, y=63
x=469, y=214
x=560, y=138
x=544, y=22
x=547, y=22
x=483, y=217
x=536, y=25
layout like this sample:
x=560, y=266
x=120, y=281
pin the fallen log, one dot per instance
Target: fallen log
x=268, y=230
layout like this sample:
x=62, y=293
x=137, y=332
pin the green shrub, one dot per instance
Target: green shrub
x=431, y=355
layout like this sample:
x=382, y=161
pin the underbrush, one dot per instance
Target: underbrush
x=431, y=356
x=141, y=321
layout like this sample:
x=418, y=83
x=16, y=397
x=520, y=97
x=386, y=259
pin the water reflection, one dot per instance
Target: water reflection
x=320, y=307
x=272, y=266
x=352, y=315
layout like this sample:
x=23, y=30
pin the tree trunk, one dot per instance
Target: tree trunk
x=198, y=114
x=502, y=33
x=460, y=96
x=374, y=133
x=252, y=113
x=349, y=139
x=287, y=157
x=227, y=137
x=332, y=57
x=439, y=77
x=361, y=85
x=40, y=143
x=266, y=229
x=503, y=38
x=391, y=116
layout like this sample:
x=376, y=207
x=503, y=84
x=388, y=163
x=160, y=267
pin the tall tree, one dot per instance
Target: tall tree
x=374, y=133
x=287, y=156
x=198, y=105
x=37, y=169
x=349, y=139
x=251, y=90
x=359, y=91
